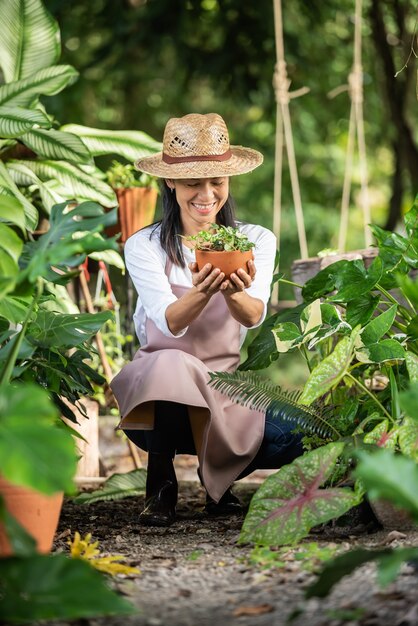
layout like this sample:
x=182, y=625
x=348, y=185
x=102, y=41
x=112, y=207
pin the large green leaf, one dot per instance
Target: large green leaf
x=10, y=242
x=54, y=587
x=25, y=92
x=291, y=502
x=384, y=350
x=126, y=143
x=65, y=330
x=14, y=309
x=15, y=121
x=58, y=248
x=9, y=188
x=329, y=372
x=398, y=483
x=12, y=212
x=54, y=144
x=382, y=436
x=409, y=400
x=79, y=184
x=408, y=438
x=378, y=326
x=359, y=310
x=34, y=452
x=389, y=563
x=29, y=38
x=24, y=176
x=116, y=487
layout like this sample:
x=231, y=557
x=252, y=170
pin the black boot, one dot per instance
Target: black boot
x=227, y=505
x=161, y=491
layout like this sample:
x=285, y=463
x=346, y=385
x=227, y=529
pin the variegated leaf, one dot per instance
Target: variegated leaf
x=289, y=503
x=23, y=93
x=408, y=438
x=381, y=436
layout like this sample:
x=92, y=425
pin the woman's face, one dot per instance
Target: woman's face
x=200, y=200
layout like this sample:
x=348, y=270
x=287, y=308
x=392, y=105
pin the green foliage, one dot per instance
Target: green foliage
x=124, y=175
x=220, y=238
x=55, y=587
x=292, y=501
x=262, y=395
x=116, y=487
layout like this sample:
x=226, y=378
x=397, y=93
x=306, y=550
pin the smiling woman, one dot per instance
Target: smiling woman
x=192, y=321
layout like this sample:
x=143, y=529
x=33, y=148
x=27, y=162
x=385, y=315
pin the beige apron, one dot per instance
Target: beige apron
x=228, y=435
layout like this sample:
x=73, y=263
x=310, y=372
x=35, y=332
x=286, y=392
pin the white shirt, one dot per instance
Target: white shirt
x=146, y=260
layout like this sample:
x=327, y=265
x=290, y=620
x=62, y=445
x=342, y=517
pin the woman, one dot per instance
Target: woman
x=190, y=322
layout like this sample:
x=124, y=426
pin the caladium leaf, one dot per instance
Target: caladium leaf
x=289, y=503
x=382, y=436
x=408, y=438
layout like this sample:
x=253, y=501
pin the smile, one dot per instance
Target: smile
x=204, y=208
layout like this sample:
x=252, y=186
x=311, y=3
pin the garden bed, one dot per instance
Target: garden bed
x=195, y=572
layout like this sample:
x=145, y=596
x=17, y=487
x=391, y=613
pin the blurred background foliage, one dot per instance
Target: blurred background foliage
x=143, y=61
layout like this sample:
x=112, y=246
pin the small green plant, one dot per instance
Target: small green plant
x=123, y=175
x=220, y=238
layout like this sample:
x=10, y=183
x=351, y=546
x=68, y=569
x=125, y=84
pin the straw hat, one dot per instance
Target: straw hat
x=197, y=146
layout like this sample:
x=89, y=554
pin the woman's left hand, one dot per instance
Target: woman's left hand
x=239, y=281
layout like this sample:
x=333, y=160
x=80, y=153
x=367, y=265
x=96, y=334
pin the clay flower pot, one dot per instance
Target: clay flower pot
x=227, y=261
x=36, y=512
x=136, y=210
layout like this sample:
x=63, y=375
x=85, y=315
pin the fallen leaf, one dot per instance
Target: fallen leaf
x=260, y=609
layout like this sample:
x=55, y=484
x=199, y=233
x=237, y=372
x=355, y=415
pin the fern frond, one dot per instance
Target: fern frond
x=249, y=390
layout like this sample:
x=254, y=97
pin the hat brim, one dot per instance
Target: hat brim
x=243, y=160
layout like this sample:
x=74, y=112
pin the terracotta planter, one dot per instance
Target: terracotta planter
x=136, y=210
x=227, y=261
x=37, y=513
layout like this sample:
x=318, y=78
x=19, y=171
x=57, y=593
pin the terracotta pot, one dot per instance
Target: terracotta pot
x=36, y=512
x=136, y=210
x=227, y=261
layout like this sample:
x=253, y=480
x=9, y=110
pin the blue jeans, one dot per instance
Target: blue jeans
x=172, y=434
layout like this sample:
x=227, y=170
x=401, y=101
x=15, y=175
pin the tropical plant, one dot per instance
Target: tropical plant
x=123, y=175
x=42, y=360
x=42, y=164
x=357, y=331
x=220, y=238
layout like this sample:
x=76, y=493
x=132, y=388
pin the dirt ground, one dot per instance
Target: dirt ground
x=194, y=573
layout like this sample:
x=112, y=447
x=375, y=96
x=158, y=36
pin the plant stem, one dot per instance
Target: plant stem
x=18, y=338
x=405, y=312
x=372, y=396
x=306, y=357
x=289, y=282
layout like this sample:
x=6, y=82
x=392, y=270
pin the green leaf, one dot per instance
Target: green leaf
x=412, y=328
x=12, y=212
x=329, y=372
x=291, y=502
x=409, y=400
x=29, y=38
x=48, y=82
x=22, y=175
x=14, y=309
x=411, y=361
x=389, y=561
x=65, y=330
x=46, y=587
x=379, y=326
x=10, y=189
x=360, y=310
x=126, y=143
x=21, y=542
x=10, y=242
x=78, y=183
x=116, y=487
x=287, y=337
x=34, y=452
x=408, y=438
x=54, y=144
x=384, y=350
x=398, y=483
x=262, y=395
x=15, y=121
x=381, y=436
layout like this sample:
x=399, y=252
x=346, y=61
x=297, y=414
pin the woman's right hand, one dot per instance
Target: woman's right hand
x=207, y=281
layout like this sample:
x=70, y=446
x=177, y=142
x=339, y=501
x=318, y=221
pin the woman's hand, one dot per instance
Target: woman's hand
x=208, y=280
x=239, y=281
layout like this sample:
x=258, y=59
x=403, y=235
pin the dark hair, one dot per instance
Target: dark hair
x=171, y=224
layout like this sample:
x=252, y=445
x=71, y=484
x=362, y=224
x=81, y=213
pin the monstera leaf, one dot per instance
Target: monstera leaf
x=289, y=503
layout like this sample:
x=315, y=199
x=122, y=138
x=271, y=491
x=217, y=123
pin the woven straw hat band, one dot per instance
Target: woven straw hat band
x=196, y=146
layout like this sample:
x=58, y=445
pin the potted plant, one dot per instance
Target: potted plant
x=224, y=247
x=137, y=197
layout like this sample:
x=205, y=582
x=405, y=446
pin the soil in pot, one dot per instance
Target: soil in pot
x=227, y=261
x=36, y=512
